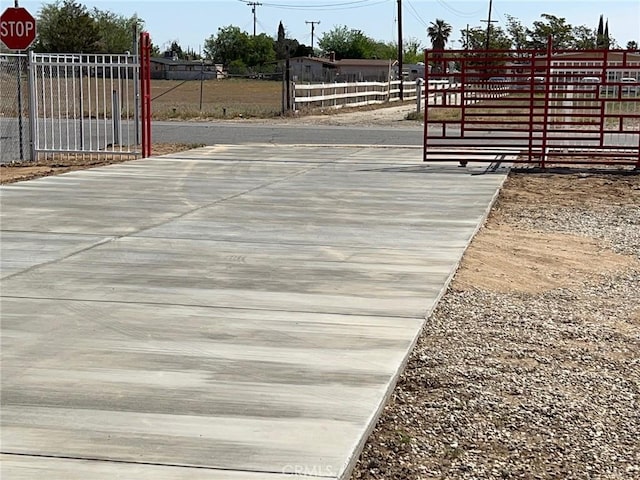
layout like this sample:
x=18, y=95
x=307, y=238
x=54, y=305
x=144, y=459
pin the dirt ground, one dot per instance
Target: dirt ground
x=507, y=258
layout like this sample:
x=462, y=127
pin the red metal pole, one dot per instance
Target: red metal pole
x=638, y=162
x=625, y=65
x=603, y=102
x=532, y=105
x=426, y=106
x=547, y=99
x=145, y=91
x=463, y=93
x=148, y=82
x=143, y=105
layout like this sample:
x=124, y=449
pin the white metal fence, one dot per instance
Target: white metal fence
x=69, y=104
x=340, y=95
x=84, y=104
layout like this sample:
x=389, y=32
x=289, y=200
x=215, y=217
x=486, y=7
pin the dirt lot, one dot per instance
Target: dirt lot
x=220, y=99
x=509, y=258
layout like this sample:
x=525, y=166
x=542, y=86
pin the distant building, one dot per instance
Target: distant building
x=330, y=70
x=170, y=67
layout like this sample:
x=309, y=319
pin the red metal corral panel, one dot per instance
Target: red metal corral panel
x=535, y=107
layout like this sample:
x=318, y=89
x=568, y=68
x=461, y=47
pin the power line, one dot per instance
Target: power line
x=502, y=20
x=457, y=12
x=262, y=26
x=327, y=6
x=416, y=15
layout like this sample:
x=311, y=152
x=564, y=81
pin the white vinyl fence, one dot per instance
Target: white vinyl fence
x=341, y=95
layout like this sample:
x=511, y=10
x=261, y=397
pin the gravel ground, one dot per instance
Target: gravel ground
x=537, y=385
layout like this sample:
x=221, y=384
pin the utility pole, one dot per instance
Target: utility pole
x=467, y=38
x=313, y=24
x=489, y=22
x=253, y=6
x=400, y=59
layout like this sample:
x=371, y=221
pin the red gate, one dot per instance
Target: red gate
x=535, y=107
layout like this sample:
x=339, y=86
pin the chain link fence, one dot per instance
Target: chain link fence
x=14, y=109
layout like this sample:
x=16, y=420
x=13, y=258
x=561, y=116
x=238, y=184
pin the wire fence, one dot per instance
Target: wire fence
x=14, y=108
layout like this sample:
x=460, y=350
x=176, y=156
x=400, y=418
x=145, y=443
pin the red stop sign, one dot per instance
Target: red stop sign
x=17, y=28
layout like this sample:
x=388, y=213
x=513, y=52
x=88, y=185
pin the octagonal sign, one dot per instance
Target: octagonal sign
x=17, y=28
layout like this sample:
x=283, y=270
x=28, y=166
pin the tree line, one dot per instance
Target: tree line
x=564, y=35
x=67, y=26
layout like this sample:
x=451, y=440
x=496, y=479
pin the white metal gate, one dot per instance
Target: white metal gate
x=84, y=104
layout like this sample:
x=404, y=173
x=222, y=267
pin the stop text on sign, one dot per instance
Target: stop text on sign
x=17, y=29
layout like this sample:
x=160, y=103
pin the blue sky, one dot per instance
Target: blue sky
x=191, y=22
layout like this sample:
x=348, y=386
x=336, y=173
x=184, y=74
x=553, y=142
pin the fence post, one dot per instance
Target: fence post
x=115, y=117
x=547, y=99
x=419, y=83
x=136, y=90
x=33, y=119
x=145, y=83
x=425, y=136
x=638, y=162
x=20, y=134
x=287, y=80
x=283, y=93
x=201, y=82
x=81, y=88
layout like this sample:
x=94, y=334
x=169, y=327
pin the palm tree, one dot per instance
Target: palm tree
x=438, y=33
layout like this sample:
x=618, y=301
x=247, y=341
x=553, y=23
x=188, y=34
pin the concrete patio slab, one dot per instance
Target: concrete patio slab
x=228, y=312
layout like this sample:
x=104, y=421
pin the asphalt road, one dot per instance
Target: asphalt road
x=211, y=133
x=66, y=133
x=251, y=132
